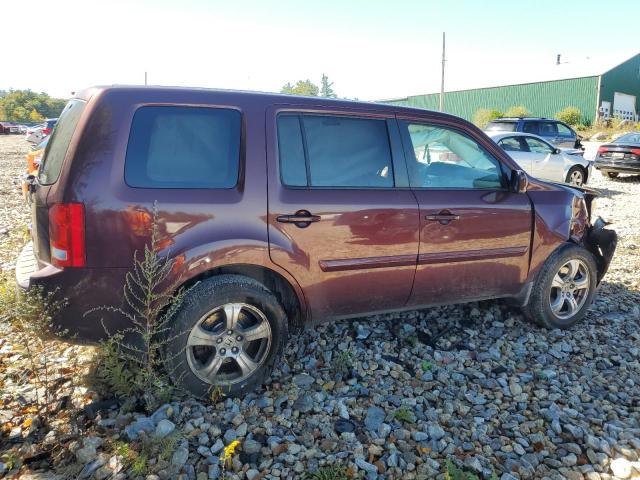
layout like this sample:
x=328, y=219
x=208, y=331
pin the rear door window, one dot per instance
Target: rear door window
x=513, y=144
x=334, y=151
x=531, y=127
x=59, y=142
x=183, y=147
x=548, y=129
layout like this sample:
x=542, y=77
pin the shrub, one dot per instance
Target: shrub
x=517, y=111
x=483, y=116
x=404, y=414
x=570, y=115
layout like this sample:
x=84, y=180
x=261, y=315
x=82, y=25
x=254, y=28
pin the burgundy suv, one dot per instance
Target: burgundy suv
x=284, y=212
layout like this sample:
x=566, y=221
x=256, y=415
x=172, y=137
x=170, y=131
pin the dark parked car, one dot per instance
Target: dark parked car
x=284, y=212
x=7, y=128
x=620, y=156
x=553, y=131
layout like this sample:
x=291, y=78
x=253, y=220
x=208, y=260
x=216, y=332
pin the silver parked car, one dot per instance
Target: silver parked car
x=543, y=160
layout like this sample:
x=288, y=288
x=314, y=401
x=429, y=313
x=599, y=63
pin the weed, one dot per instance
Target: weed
x=130, y=362
x=456, y=473
x=31, y=313
x=331, y=472
x=404, y=414
x=227, y=455
x=426, y=365
x=342, y=363
x=140, y=465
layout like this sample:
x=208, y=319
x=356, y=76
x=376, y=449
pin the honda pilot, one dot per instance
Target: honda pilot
x=281, y=212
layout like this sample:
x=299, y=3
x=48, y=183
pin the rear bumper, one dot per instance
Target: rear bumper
x=620, y=167
x=83, y=289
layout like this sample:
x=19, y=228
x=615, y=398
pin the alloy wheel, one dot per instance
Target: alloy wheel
x=569, y=289
x=229, y=343
x=576, y=178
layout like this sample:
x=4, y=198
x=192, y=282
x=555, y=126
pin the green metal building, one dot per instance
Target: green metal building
x=605, y=93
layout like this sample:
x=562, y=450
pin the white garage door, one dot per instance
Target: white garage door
x=624, y=106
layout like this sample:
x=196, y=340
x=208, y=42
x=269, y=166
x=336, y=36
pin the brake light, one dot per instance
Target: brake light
x=602, y=150
x=635, y=151
x=66, y=235
x=46, y=131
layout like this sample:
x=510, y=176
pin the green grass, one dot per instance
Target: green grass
x=333, y=472
x=404, y=414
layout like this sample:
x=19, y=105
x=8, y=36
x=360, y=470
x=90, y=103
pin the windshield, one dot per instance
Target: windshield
x=628, y=138
x=501, y=127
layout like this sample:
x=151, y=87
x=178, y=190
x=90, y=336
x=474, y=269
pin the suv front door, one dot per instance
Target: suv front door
x=342, y=219
x=474, y=232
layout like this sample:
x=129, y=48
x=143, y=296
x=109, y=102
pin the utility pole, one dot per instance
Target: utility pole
x=145, y=78
x=442, y=82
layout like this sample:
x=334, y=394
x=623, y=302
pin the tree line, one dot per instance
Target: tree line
x=310, y=89
x=28, y=106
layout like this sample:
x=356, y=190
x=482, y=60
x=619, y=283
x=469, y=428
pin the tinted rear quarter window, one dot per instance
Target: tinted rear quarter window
x=183, y=147
x=59, y=142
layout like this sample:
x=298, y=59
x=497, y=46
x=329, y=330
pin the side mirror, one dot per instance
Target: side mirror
x=519, y=181
x=556, y=151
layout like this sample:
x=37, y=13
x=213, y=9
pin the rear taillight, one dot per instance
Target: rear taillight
x=66, y=235
x=635, y=151
x=46, y=131
x=602, y=150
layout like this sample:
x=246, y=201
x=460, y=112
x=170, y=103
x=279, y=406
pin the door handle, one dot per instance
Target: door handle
x=301, y=219
x=444, y=217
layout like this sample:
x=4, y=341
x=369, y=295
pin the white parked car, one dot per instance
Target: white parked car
x=542, y=160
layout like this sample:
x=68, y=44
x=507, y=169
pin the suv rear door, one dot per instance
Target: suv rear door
x=342, y=220
x=474, y=232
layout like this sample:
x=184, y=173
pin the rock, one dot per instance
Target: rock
x=214, y=472
x=180, y=457
x=164, y=428
x=303, y=380
x=142, y=424
x=252, y=474
x=569, y=460
x=435, y=431
x=362, y=332
x=419, y=436
x=251, y=446
x=374, y=418
x=304, y=403
x=86, y=454
x=217, y=447
x=621, y=467
x=370, y=469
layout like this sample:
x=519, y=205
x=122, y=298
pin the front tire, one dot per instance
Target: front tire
x=564, y=288
x=576, y=176
x=228, y=334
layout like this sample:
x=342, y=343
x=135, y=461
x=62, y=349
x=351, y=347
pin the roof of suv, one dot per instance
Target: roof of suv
x=275, y=98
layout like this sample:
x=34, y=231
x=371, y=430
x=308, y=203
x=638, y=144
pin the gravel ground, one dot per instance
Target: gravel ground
x=494, y=394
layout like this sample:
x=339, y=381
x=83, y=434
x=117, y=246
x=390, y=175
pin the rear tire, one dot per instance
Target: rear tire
x=228, y=333
x=576, y=176
x=612, y=174
x=564, y=288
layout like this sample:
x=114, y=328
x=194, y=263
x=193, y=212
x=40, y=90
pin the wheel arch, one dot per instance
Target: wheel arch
x=286, y=290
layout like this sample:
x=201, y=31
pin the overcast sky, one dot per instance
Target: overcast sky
x=370, y=49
